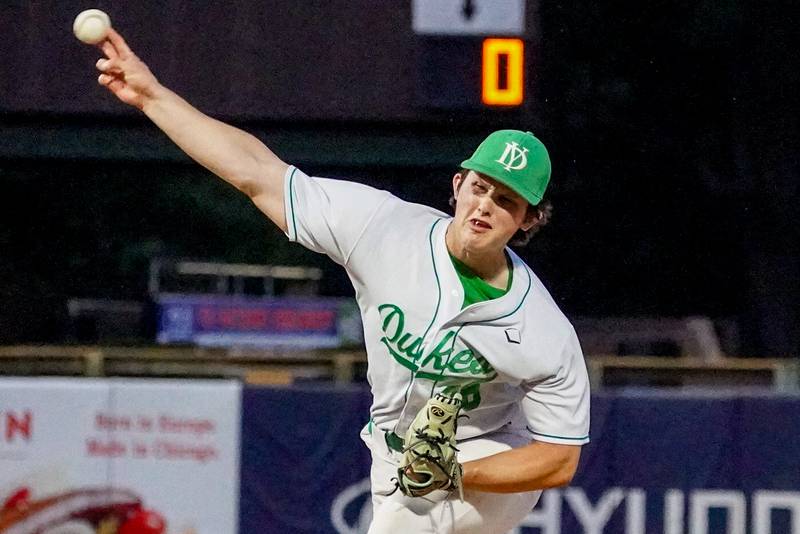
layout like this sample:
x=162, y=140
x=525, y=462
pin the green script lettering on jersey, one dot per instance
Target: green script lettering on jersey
x=461, y=362
x=443, y=362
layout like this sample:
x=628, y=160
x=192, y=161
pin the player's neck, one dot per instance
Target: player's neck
x=491, y=266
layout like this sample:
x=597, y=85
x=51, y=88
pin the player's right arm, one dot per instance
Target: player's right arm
x=232, y=154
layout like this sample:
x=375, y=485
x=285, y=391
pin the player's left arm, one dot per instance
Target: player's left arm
x=536, y=466
x=557, y=407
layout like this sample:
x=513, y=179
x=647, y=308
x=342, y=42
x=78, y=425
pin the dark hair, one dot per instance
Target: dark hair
x=542, y=212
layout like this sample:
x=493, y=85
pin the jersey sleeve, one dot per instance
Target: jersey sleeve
x=557, y=408
x=328, y=216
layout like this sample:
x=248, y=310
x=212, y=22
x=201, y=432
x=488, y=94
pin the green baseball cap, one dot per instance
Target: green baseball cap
x=516, y=159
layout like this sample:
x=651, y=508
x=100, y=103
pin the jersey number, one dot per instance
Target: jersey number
x=470, y=395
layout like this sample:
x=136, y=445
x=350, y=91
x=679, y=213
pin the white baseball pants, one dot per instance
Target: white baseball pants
x=442, y=512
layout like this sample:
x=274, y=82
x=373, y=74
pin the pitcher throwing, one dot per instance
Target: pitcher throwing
x=450, y=313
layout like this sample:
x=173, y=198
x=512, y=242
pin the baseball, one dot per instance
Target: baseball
x=91, y=26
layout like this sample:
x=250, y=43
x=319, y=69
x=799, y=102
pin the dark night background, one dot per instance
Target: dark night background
x=671, y=125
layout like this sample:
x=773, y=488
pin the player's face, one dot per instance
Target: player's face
x=488, y=213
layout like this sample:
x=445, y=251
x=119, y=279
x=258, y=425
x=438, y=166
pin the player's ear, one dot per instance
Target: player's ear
x=532, y=216
x=458, y=179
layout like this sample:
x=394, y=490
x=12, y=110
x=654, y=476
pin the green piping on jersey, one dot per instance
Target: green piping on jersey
x=435, y=311
x=512, y=312
x=557, y=437
x=527, y=290
x=291, y=203
x=476, y=289
x=438, y=283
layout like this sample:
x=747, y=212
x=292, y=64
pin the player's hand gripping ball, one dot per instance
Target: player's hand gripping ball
x=91, y=26
x=429, y=456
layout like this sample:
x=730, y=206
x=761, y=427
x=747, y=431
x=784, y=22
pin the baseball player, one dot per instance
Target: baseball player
x=465, y=345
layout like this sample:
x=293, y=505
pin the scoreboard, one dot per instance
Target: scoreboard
x=400, y=61
x=472, y=54
x=471, y=73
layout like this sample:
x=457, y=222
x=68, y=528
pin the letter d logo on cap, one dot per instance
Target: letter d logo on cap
x=512, y=155
x=523, y=165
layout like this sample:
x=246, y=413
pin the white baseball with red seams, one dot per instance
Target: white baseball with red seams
x=515, y=359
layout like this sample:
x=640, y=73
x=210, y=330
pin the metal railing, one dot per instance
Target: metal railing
x=780, y=375
x=181, y=362
x=227, y=278
x=345, y=366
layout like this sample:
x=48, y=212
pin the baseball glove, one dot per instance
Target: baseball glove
x=429, y=454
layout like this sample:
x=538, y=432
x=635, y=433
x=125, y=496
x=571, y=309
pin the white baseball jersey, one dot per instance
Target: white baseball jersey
x=515, y=359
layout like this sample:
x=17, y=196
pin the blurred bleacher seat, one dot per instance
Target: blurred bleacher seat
x=190, y=277
x=688, y=337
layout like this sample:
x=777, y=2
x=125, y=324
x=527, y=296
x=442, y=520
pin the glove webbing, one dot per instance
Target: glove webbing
x=436, y=443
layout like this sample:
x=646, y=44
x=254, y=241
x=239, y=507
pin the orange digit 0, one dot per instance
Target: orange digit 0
x=502, y=88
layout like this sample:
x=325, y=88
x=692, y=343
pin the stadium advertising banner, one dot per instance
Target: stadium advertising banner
x=85, y=456
x=220, y=321
x=658, y=463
